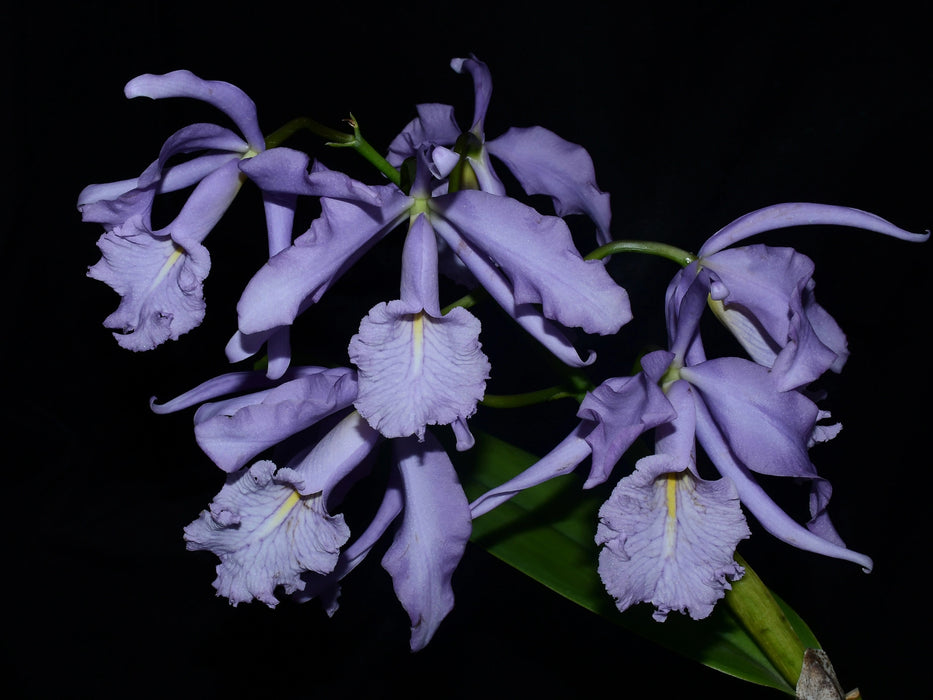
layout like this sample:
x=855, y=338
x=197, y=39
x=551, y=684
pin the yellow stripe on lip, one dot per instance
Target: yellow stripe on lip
x=167, y=265
x=278, y=517
x=670, y=495
x=417, y=337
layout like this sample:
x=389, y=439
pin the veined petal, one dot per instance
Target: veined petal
x=528, y=316
x=299, y=275
x=226, y=97
x=234, y=431
x=766, y=511
x=802, y=214
x=537, y=254
x=266, y=534
x=544, y=163
x=113, y=213
x=768, y=429
x=417, y=370
x=620, y=410
x=669, y=535
x=431, y=538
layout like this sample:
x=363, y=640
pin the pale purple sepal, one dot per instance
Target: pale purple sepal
x=482, y=88
x=99, y=202
x=228, y=98
x=668, y=536
x=266, y=534
x=229, y=383
x=767, y=429
x=337, y=455
x=327, y=587
x=538, y=256
x=544, y=163
x=431, y=537
x=562, y=460
x=622, y=408
x=802, y=214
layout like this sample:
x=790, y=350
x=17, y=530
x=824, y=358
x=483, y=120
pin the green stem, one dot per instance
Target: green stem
x=663, y=250
x=754, y=606
x=361, y=146
x=529, y=398
x=467, y=300
x=337, y=139
x=277, y=137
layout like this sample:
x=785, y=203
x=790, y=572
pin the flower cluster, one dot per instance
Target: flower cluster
x=294, y=439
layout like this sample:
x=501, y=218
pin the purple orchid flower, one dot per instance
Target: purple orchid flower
x=765, y=295
x=417, y=366
x=667, y=535
x=541, y=161
x=159, y=273
x=272, y=526
x=523, y=259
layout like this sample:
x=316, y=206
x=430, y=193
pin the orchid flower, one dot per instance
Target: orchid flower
x=541, y=161
x=765, y=295
x=272, y=523
x=523, y=259
x=159, y=273
x=748, y=416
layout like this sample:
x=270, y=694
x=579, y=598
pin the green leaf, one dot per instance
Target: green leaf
x=547, y=532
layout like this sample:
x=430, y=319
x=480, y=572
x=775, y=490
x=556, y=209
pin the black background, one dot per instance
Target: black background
x=693, y=117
